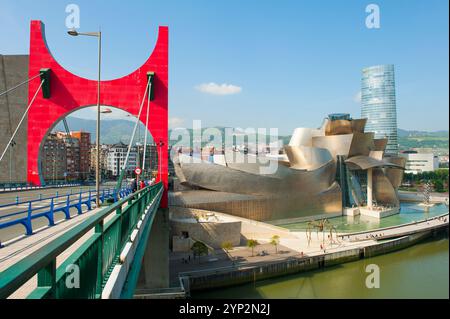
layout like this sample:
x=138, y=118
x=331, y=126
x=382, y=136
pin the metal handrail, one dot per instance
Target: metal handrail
x=90, y=192
x=14, y=186
x=17, y=202
x=49, y=210
x=362, y=232
x=43, y=261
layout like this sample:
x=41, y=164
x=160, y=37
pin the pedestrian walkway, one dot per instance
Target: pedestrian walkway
x=23, y=246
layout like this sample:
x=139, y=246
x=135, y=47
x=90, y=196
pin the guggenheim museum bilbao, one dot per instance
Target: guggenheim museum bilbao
x=325, y=172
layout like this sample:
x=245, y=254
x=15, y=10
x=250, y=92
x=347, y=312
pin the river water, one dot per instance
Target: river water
x=420, y=271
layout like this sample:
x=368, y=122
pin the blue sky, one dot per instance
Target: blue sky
x=287, y=63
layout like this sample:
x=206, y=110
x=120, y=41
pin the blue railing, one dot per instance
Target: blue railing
x=12, y=187
x=58, y=203
x=107, y=192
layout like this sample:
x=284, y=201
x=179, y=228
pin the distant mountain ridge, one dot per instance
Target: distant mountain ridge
x=412, y=133
x=115, y=131
x=111, y=131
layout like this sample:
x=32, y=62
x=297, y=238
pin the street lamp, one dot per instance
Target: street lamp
x=12, y=144
x=97, y=162
x=160, y=144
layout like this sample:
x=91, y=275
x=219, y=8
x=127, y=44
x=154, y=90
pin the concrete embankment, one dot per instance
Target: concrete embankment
x=230, y=276
x=435, y=198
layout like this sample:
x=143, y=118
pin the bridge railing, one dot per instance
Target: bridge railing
x=105, y=192
x=58, y=203
x=6, y=187
x=92, y=261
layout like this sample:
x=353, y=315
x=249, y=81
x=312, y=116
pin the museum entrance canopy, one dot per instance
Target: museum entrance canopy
x=362, y=162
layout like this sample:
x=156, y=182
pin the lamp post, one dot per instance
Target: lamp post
x=13, y=143
x=97, y=162
x=161, y=144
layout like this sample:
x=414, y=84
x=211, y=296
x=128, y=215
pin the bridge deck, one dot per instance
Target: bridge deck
x=41, y=200
x=24, y=246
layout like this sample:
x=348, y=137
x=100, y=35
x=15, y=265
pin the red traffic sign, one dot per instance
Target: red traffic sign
x=138, y=171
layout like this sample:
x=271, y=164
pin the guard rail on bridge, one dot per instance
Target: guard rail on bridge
x=14, y=187
x=94, y=259
x=58, y=203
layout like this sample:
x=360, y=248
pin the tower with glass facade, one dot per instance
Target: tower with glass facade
x=379, y=104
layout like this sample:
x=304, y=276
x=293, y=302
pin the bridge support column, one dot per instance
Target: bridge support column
x=155, y=271
x=369, y=188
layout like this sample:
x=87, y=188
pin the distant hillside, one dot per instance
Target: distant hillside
x=406, y=133
x=114, y=131
x=418, y=139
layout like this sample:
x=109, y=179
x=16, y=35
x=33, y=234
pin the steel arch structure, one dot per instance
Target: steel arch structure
x=70, y=92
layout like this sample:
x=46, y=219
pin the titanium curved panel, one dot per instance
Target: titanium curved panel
x=234, y=180
x=366, y=162
x=263, y=208
x=395, y=176
x=309, y=158
x=258, y=165
x=336, y=144
x=359, y=125
x=362, y=144
x=383, y=190
x=380, y=144
x=378, y=155
x=338, y=127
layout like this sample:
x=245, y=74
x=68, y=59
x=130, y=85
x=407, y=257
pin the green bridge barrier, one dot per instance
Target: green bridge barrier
x=94, y=258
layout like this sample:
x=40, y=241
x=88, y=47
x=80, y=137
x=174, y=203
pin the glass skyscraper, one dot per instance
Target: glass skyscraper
x=379, y=104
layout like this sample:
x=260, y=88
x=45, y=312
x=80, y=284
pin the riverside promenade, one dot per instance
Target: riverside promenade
x=295, y=254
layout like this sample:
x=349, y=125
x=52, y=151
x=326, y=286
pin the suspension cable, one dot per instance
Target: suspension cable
x=19, y=85
x=21, y=120
x=146, y=128
x=136, y=125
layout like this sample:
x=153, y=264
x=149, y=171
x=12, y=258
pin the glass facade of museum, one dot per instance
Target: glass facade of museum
x=379, y=104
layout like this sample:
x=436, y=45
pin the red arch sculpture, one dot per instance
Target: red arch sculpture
x=70, y=92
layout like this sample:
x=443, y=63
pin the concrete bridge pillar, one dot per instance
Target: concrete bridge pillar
x=155, y=270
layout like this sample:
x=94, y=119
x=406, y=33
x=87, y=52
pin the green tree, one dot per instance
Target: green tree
x=252, y=243
x=438, y=185
x=275, y=241
x=439, y=178
x=199, y=249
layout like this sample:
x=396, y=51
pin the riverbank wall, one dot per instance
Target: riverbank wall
x=416, y=197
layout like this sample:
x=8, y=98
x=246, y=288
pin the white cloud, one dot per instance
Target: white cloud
x=218, y=89
x=175, y=122
x=357, y=97
x=108, y=113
